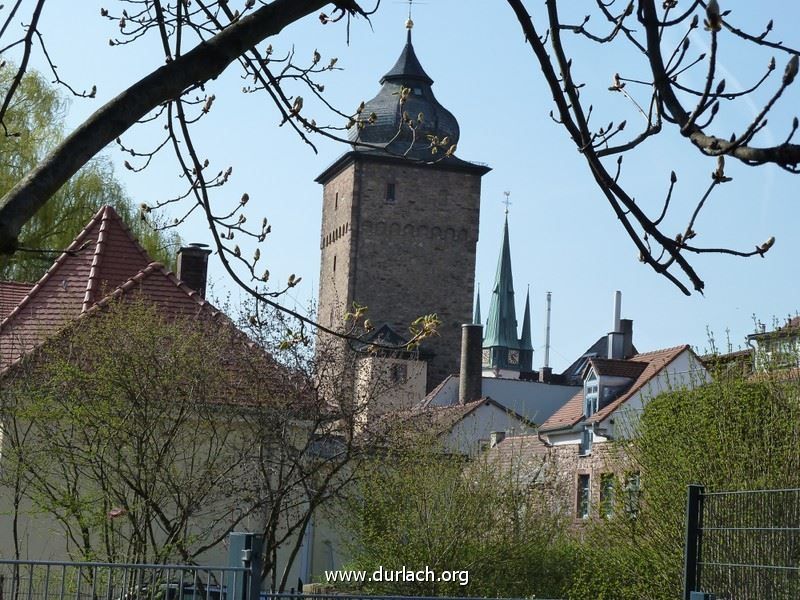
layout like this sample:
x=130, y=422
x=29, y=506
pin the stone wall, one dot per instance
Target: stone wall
x=336, y=247
x=566, y=464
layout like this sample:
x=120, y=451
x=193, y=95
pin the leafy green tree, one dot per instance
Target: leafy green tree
x=736, y=433
x=423, y=508
x=34, y=117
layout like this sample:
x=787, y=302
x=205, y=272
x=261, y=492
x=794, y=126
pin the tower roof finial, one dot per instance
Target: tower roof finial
x=507, y=202
x=409, y=22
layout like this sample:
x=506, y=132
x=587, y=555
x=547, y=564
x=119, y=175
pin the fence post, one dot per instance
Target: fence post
x=244, y=550
x=691, y=555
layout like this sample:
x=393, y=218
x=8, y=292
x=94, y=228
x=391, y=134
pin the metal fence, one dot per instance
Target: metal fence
x=55, y=580
x=239, y=580
x=46, y=580
x=340, y=596
x=742, y=545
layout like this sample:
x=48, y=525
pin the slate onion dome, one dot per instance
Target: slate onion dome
x=388, y=129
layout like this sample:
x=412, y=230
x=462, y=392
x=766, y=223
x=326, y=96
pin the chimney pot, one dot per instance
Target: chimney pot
x=617, y=310
x=193, y=266
x=627, y=337
x=470, y=383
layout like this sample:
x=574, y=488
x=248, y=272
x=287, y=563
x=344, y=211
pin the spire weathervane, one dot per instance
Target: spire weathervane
x=409, y=22
x=507, y=202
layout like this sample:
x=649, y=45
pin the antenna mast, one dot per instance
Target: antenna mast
x=547, y=333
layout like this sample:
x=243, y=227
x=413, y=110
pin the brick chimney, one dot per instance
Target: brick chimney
x=470, y=383
x=627, y=337
x=193, y=266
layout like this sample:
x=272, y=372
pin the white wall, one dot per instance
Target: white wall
x=684, y=372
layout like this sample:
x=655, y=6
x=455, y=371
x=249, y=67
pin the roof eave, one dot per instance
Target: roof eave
x=446, y=164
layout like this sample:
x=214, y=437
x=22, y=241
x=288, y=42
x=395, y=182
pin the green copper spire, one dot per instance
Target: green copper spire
x=525, y=342
x=501, y=324
x=476, y=319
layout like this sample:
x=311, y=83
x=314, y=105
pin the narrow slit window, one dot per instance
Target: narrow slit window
x=390, y=192
x=582, y=511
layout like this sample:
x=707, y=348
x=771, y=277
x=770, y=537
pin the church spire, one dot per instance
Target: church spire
x=502, y=349
x=476, y=319
x=501, y=324
x=525, y=342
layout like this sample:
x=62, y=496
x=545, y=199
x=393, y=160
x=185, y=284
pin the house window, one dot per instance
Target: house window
x=587, y=439
x=582, y=511
x=399, y=373
x=607, y=487
x=334, y=263
x=632, y=490
x=336, y=201
x=592, y=395
x=390, y=192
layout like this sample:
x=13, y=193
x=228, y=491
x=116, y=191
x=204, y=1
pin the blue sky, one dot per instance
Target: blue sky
x=564, y=236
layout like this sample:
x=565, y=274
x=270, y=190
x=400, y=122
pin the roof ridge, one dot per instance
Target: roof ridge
x=94, y=270
x=625, y=361
x=442, y=407
x=434, y=392
x=116, y=216
x=156, y=267
x=662, y=350
x=76, y=246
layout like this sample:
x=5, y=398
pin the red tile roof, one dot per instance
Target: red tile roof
x=104, y=262
x=11, y=294
x=567, y=415
x=515, y=447
x=572, y=412
x=524, y=457
x=103, y=256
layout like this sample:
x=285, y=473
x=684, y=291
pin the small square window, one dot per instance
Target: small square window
x=399, y=373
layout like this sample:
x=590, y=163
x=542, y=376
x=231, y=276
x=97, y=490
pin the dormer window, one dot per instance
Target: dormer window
x=591, y=394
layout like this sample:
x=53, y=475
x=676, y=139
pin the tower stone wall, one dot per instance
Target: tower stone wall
x=402, y=236
x=337, y=249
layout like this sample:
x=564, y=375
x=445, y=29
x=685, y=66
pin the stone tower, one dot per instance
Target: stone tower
x=400, y=222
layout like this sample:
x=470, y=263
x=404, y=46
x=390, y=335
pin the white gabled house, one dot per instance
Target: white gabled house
x=615, y=391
